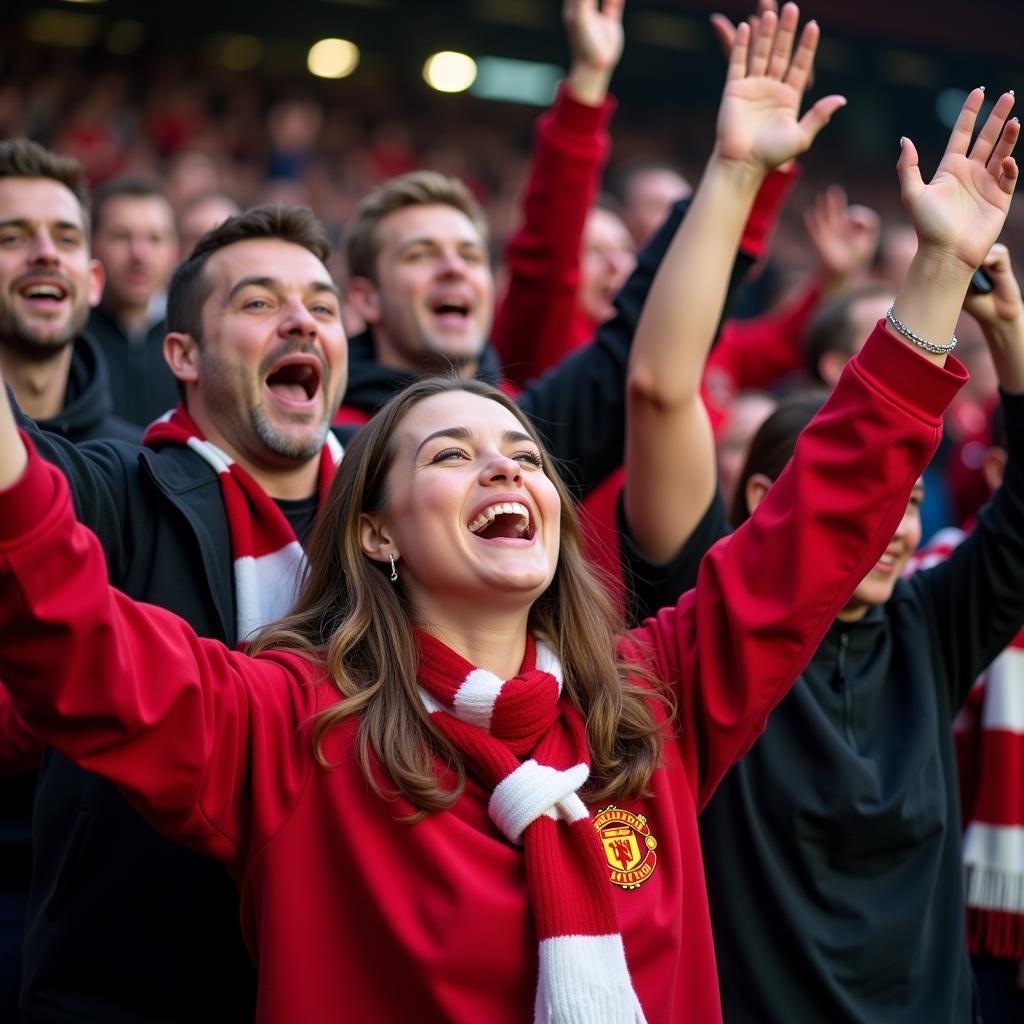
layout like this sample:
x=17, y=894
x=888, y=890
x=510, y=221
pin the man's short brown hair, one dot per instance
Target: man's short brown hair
x=189, y=288
x=25, y=158
x=417, y=188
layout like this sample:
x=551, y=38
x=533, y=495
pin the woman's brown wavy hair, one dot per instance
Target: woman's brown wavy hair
x=350, y=618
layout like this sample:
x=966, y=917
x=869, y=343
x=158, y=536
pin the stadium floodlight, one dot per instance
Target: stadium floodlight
x=333, y=58
x=449, y=71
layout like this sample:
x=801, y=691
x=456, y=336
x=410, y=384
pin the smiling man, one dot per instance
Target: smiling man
x=421, y=280
x=207, y=520
x=48, y=282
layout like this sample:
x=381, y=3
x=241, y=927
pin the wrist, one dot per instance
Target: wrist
x=939, y=264
x=746, y=176
x=588, y=84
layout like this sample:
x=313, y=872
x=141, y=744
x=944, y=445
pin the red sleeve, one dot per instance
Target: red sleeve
x=535, y=324
x=761, y=351
x=764, y=216
x=766, y=595
x=209, y=744
x=20, y=748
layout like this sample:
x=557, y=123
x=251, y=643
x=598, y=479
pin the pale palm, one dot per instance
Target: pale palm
x=962, y=209
x=758, y=121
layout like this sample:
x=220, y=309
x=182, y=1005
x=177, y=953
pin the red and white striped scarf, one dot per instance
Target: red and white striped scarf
x=529, y=745
x=268, y=560
x=989, y=732
x=989, y=735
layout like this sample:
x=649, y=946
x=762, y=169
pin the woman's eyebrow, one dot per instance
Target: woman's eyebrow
x=457, y=433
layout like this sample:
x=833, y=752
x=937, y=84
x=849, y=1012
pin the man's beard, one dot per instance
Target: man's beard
x=33, y=345
x=280, y=444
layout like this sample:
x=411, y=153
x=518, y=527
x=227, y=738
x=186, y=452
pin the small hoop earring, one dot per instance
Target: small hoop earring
x=394, y=572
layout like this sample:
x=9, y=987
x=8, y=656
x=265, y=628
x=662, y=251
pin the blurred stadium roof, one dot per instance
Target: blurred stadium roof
x=905, y=64
x=400, y=30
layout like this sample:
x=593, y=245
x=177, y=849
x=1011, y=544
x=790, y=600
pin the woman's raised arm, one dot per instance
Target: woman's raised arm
x=766, y=596
x=670, y=468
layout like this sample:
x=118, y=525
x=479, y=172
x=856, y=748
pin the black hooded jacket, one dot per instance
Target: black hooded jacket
x=88, y=412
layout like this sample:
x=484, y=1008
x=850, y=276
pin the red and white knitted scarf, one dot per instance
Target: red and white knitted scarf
x=530, y=746
x=989, y=732
x=989, y=735
x=268, y=560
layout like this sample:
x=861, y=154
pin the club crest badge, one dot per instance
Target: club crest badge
x=628, y=846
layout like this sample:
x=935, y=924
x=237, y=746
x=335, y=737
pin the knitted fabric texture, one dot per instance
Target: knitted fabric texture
x=267, y=559
x=989, y=733
x=529, y=745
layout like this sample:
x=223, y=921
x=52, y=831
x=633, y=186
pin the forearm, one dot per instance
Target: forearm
x=588, y=84
x=1006, y=345
x=930, y=300
x=681, y=315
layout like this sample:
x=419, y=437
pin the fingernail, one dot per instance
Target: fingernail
x=982, y=88
x=903, y=139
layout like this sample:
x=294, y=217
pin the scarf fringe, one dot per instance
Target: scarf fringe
x=996, y=933
x=584, y=979
x=990, y=888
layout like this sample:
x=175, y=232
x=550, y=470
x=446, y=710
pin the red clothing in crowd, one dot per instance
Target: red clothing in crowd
x=756, y=354
x=346, y=909
x=538, y=322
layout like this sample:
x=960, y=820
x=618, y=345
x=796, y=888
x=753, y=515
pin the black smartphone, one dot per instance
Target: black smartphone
x=981, y=283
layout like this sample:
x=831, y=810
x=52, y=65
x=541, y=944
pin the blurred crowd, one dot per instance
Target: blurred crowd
x=559, y=222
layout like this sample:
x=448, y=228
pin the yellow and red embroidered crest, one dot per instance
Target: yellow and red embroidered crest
x=628, y=846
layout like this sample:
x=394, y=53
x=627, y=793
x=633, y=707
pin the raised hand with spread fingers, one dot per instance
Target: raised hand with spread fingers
x=670, y=466
x=958, y=216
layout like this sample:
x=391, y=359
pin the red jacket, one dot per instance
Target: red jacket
x=352, y=914
x=538, y=322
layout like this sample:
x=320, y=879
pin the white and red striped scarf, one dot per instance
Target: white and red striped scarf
x=530, y=746
x=268, y=560
x=989, y=732
x=989, y=735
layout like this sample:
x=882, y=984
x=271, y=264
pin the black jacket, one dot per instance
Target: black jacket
x=88, y=407
x=86, y=414
x=832, y=849
x=141, y=383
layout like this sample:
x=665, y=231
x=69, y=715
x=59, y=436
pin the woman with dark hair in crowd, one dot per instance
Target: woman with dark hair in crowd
x=833, y=846
x=450, y=786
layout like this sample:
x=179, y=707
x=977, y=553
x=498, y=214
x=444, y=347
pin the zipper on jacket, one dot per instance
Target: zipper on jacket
x=843, y=685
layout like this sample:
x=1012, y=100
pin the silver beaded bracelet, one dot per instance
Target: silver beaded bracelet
x=939, y=350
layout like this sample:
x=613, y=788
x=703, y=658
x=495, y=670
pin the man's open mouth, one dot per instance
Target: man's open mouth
x=43, y=291
x=451, y=306
x=296, y=378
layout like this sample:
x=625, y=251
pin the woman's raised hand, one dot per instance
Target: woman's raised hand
x=759, y=121
x=961, y=211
